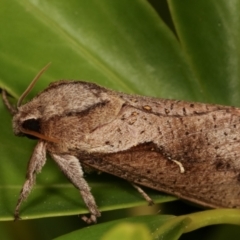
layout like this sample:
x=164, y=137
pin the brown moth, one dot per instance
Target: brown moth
x=190, y=150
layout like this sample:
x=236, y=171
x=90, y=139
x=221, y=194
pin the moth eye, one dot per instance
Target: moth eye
x=32, y=124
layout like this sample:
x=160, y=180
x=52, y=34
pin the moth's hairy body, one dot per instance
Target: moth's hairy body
x=139, y=139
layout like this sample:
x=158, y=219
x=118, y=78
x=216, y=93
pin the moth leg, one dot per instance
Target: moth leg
x=10, y=108
x=71, y=167
x=144, y=194
x=37, y=161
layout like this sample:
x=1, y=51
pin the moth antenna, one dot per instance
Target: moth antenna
x=31, y=85
x=10, y=108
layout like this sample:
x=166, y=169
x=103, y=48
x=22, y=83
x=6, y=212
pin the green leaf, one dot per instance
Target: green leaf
x=146, y=224
x=212, y=217
x=123, y=45
x=127, y=231
x=209, y=35
x=162, y=227
x=131, y=53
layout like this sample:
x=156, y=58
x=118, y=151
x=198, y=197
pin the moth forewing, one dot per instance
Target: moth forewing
x=190, y=150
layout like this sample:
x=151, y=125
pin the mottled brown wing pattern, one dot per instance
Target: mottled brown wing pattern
x=202, y=183
x=204, y=139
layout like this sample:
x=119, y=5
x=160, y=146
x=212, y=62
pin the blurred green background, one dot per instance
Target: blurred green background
x=171, y=49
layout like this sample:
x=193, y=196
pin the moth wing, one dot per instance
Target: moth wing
x=200, y=183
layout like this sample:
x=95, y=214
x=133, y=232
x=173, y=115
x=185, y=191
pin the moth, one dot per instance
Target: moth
x=187, y=149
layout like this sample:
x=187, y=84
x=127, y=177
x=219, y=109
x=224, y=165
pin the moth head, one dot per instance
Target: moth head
x=29, y=127
x=26, y=125
x=27, y=118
